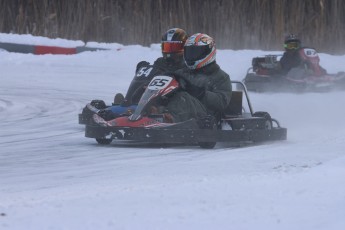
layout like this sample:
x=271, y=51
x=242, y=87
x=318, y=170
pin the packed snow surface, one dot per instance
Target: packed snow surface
x=52, y=177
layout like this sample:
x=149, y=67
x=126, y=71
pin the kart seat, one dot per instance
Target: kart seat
x=234, y=108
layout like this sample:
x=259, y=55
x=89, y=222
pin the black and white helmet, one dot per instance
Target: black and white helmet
x=173, y=42
x=292, y=42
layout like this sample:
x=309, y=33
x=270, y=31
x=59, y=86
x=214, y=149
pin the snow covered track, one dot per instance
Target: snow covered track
x=52, y=177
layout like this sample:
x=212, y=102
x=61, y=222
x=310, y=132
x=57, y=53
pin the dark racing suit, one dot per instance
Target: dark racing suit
x=207, y=91
x=290, y=59
x=144, y=74
x=301, y=63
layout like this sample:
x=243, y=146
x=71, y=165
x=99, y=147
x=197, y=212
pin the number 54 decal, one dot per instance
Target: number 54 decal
x=144, y=71
x=159, y=82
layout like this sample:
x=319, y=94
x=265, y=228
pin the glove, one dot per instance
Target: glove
x=195, y=91
x=107, y=114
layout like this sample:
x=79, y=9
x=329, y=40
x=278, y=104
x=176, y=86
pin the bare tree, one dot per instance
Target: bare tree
x=245, y=24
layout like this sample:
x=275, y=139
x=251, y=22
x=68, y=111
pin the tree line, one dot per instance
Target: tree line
x=244, y=24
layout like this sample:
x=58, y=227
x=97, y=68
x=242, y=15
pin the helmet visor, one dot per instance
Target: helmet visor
x=172, y=47
x=291, y=45
x=195, y=53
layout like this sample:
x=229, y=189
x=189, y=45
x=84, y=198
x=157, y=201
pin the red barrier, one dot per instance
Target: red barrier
x=54, y=50
x=42, y=49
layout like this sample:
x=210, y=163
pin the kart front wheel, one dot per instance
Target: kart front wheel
x=207, y=145
x=98, y=104
x=103, y=141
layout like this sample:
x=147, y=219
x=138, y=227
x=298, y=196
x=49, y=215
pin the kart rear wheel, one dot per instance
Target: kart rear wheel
x=103, y=141
x=268, y=119
x=208, y=122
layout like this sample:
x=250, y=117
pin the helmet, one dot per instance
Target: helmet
x=172, y=43
x=199, y=51
x=292, y=42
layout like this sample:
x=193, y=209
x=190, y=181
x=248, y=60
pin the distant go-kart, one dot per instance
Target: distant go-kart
x=265, y=76
x=238, y=124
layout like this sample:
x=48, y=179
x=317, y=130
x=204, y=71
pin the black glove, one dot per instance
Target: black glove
x=195, y=91
x=107, y=114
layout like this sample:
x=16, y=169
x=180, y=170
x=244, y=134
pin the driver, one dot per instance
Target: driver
x=172, y=44
x=294, y=59
x=207, y=87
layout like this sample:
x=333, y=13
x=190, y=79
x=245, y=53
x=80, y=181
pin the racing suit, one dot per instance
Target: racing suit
x=207, y=91
x=144, y=73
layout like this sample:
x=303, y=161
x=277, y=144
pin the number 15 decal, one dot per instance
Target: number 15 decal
x=159, y=82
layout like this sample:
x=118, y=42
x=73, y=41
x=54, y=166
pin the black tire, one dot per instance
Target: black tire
x=98, y=104
x=268, y=119
x=103, y=141
x=207, y=145
x=208, y=122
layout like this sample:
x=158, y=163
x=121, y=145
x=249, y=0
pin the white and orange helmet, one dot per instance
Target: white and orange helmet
x=199, y=51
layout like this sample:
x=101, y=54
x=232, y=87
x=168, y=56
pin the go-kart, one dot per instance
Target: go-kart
x=265, y=75
x=237, y=124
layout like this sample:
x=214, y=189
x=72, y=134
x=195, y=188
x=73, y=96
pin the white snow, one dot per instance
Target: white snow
x=52, y=177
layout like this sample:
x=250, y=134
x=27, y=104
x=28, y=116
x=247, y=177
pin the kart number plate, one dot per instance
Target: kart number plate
x=159, y=82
